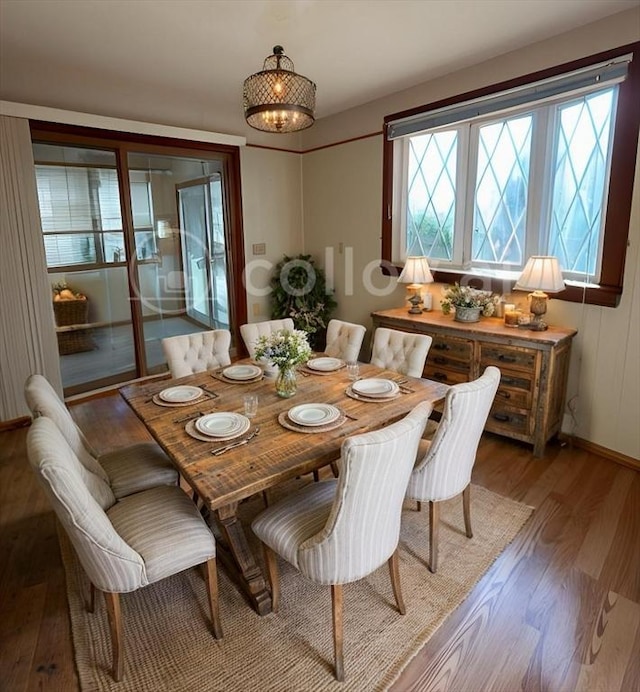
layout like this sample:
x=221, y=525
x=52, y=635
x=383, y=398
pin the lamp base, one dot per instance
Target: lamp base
x=415, y=301
x=537, y=324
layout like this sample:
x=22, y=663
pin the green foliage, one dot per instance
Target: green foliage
x=300, y=292
x=468, y=297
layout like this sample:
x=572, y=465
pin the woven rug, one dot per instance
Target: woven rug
x=168, y=644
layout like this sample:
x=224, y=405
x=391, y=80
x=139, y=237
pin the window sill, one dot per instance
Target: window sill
x=504, y=281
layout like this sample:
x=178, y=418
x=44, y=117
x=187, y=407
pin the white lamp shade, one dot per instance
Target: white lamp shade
x=416, y=271
x=541, y=274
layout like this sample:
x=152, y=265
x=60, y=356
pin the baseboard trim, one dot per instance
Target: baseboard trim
x=15, y=423
x=611, y=454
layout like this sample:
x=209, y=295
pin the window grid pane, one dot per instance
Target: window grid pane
x=580, y=173
x=431, y=196
x=500, y=209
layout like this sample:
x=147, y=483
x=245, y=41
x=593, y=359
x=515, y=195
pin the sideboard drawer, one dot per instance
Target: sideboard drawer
x=507, y=357
x=504, y=420
x=451, y=348
x=446, y=375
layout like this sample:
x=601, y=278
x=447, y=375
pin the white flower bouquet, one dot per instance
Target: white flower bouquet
x=283, y=348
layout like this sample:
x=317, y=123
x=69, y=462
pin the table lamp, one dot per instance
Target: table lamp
x=541, y=275
x=415, y=273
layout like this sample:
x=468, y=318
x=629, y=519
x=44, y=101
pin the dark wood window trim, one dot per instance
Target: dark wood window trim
x=123, y=143
x=623, y=163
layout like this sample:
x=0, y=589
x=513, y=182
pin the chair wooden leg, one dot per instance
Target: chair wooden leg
x=334, y=468
x=434, y=527
x=211, y=577
x=394, y=573
x=466, y=508
x=265, y=498
x=272, y=575
x=419, y=506
x=114, y=614
x=337, y=604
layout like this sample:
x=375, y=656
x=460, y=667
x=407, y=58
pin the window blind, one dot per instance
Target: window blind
x=594, y=76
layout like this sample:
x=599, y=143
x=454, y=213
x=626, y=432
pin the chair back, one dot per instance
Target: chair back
x=187, y=354
x=251, y=332
x=400, y=351
x=344, y=340
x=445, y=470
x=43, y=400
x=110, y=563
x=363, y=527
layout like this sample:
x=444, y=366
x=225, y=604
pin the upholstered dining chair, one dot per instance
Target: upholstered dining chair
x=251, y=332
x=127, y=470
x=400, y=351
x=187, y=354
x=444, y=463
x=341, y=530
x=125, y=544
x=344, y=340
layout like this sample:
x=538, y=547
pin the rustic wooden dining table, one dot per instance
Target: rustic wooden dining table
x=275, y=455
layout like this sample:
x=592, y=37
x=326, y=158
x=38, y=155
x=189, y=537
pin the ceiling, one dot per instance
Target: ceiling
x=202, y=50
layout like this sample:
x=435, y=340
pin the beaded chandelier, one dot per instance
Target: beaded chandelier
x=277, y=99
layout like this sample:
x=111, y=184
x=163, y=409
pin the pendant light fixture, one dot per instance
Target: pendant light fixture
x=277, y=99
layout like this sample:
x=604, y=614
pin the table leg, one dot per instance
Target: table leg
x=239, y=561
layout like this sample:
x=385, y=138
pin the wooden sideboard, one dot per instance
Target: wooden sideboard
x=529, y=403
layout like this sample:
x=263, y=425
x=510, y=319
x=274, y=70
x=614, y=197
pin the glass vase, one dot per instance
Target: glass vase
x=286, y=381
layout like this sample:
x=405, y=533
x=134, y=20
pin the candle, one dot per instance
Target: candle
x=511, y=316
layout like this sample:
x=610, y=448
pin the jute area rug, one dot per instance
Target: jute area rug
x=168, y=644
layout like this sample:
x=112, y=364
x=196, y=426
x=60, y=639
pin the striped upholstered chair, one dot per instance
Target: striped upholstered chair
x=445, y=463
x=344, y=340
x=190, y=353
x=400, y=351
x=341, y=530
x=127, y=470
x=251, y=332
x=126, y=544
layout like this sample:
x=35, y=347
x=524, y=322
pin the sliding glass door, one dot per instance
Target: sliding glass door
x=204, y=259
x=151, y=236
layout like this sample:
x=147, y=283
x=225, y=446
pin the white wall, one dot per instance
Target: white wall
x=272, y=212
x=343, y=203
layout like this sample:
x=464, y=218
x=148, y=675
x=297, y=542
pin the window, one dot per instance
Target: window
x=481, y=182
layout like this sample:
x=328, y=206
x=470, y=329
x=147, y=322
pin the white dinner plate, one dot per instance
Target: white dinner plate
x=374, y=387
x=314, y=414
x=222, y=424
x=242, y=372
x=325, y=364
x=180, y=395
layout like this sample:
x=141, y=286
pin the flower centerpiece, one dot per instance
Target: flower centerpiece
x=469, y=302
x=284, y=349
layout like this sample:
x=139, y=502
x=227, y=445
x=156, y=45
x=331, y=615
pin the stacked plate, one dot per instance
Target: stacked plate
x=222, y=425
x=180, y=395
x=242, y=373
x=325, y=364
x=312, y=415
x=375, y=388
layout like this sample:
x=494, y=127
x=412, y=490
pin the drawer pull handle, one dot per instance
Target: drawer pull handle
x=440, y=376
x=507, y=359
x=441, y=347
x=502, y=417
x=439, y=360
x=504, y=395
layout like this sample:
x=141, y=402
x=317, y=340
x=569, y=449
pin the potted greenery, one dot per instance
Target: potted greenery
x=300, y=292
x=468, y=303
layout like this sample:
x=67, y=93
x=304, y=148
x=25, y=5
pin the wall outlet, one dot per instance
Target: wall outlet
x=259, y=248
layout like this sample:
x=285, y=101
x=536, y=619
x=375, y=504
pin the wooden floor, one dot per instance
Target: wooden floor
x=558, y=611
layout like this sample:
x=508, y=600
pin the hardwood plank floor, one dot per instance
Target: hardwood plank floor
x=559, y=610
